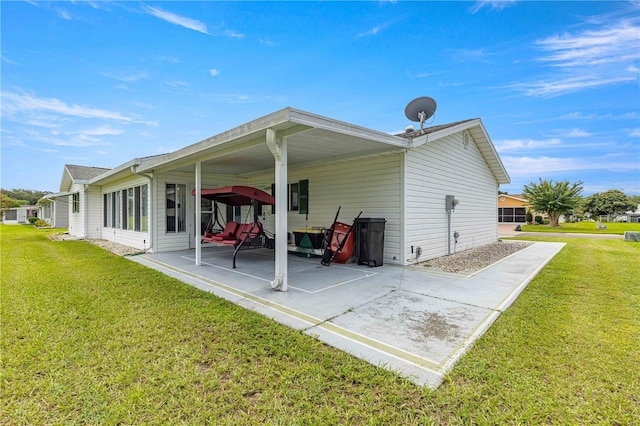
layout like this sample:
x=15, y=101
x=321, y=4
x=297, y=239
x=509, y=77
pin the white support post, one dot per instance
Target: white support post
x=278, y=146
x=198, y=223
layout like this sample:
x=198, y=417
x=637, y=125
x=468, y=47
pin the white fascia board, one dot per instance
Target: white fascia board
x=427, y=137
x=244, y=131
x=110, y=173
x=324, y=123
x=488, y=145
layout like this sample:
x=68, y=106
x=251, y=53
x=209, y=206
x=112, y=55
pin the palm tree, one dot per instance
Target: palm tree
x=555, y=199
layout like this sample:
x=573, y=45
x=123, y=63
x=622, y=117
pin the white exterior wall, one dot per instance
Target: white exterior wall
x=92, y=206
x=136, y=239
x=60, y=209
x=170, y=241
x=371, y=185
x=446, y=167
x=77, y=220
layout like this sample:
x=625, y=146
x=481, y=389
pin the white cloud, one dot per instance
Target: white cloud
x=176, y=83
x=375, y=30
x=214, y=72
x=232, y=34
x=525, y=144
x=125, y=77
x=589, y=58
x=560, y=86
x=536, y=166
x=570, y=133
x=14, y=103
x=182, y=21
x=493, y=5
x=613, y=44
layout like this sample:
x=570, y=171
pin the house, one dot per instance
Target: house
x=146, y=203
x=512, y=208
x=19, y=215
x=81, y=199
x=55, y=209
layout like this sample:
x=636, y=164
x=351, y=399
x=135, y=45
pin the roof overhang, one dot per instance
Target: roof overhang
x=311, y=139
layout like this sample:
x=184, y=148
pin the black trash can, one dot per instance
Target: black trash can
x=370, y=241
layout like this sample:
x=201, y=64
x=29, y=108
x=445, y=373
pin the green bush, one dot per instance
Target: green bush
x=32, y=220
x=529, y=216
x=539, y=220
x=40, y=223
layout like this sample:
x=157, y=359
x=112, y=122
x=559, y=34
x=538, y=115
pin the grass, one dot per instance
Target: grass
x=584, y=228
x=92, y=338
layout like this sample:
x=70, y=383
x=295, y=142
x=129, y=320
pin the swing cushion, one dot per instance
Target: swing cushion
x=228, y=233
x=243, y=230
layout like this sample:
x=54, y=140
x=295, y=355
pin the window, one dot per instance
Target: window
x=304, y=197
x=115, y=210
x=130, y=209
x=144, y=208
x=136, y=207
x=176, y=207
x=105, y=211
x=298, y=200
x=294, y=197
x=127, y=209
x=512, y=214
x=75, y=202
x=11, y=215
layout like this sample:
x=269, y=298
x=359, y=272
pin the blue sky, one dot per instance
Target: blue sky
x=100, y=83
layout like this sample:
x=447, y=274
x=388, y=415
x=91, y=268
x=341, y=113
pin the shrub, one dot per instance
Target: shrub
x=32, y=220
x=538, y=220
x=40, y=223
x=529, y=216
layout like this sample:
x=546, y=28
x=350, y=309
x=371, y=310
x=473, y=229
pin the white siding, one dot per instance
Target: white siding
x=135, y=239
x=76, y=220
x=446, y=167
x=371, y=185
x=93, y=199
x=170, y=241
x=61, y=212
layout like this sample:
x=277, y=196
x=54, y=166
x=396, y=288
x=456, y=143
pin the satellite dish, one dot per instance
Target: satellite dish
x=420, y=109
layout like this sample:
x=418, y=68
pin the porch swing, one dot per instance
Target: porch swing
x=239, y=235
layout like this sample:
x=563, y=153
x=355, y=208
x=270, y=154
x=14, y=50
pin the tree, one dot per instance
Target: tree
x=7, y=202
x=609, y=202
x=25, y=196
x=554, y=199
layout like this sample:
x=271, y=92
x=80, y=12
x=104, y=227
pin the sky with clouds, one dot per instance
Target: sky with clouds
x=556, y=84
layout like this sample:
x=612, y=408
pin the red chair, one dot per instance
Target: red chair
x=228, y=233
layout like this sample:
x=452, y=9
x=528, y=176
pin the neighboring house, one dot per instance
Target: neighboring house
x=146, y=203
x=19, y=215
x=512, y=208
x=83, y=200
x=55, y=209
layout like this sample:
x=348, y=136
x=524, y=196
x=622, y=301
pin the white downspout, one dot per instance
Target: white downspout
x=198, y=223
x=278, y=146
x=85, y=210
x=152, y=205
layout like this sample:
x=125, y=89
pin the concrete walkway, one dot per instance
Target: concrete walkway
x=409, y=320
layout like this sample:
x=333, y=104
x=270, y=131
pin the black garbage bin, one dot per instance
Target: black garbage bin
x=370, y=241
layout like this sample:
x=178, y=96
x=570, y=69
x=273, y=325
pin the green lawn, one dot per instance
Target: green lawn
x=92, y=338
x=584, y=228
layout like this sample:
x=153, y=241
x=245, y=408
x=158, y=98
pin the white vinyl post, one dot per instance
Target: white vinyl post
x=198, y=213
x=278, y=146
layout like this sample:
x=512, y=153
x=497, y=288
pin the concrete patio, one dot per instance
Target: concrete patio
x=415, y=322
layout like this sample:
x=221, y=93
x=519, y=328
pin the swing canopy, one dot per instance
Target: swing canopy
x=237, y=195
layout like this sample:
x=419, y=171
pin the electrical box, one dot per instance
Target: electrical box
x=451, y=202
